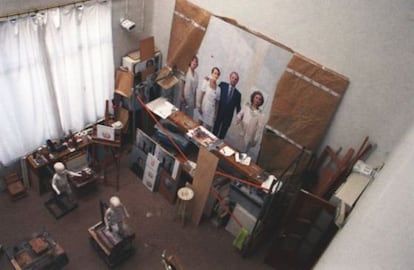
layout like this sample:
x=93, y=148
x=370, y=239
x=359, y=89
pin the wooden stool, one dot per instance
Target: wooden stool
x=185, y=195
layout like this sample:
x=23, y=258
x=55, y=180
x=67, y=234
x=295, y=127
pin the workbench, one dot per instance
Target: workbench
x=38, y=253
x=41, y=163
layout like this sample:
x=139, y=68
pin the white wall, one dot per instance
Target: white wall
x=379, y=233
x=370, y=42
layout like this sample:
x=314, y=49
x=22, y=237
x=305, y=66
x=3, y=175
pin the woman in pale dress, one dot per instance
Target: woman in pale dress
x=189, y=88
x=210, y=95
x=251, y=120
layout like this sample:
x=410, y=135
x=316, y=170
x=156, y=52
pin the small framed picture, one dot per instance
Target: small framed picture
x=167, y=186
x=138, y=161
x=145, y=142
x=105, y=132
x=150, y=173
x=167, y=161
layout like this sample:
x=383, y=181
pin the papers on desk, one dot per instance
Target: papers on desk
x=227, y=151
x=161, y=107
x=268, y=183
x=202, y=136
x=243, y=158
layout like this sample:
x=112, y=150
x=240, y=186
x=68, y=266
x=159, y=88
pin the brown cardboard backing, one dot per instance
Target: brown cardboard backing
x=124, y=81
x=186, y=36
x=147, y=48
x=301, y=110
x=188, y=28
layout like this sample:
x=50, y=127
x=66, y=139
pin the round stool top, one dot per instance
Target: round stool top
x=185, y=193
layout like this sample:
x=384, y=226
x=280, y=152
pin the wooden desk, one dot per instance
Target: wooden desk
x=40, y=172
x=58, y=156
x=85, y=182
x=37, y=253
x=252, y=171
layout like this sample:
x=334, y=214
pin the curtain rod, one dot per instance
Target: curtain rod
x=46, y=8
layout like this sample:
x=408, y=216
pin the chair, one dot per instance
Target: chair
x=329, y=170
x=307, y=230
x=15, y=186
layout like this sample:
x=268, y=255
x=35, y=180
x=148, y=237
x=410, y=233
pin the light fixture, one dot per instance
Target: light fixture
x=125, y=23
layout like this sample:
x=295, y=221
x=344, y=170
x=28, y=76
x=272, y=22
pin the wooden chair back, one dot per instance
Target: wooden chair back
x=15, y=186
x=330, y=169
x=306, y=232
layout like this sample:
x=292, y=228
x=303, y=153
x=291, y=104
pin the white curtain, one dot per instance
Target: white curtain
x=56, y=71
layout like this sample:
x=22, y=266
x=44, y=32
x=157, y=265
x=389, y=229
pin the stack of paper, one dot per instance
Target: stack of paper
x=227, y=151
x=243, y=158
x=161, y=107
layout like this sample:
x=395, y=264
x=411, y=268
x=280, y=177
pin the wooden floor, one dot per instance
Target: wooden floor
x=152, y=219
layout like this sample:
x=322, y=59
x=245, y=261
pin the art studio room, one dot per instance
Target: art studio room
x=195, y=134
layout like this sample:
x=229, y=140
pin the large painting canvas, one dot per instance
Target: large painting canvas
x=259, y=63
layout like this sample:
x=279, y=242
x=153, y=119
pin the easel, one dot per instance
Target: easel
x=113, y=146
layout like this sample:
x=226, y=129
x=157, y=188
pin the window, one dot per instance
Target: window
x=56, y=71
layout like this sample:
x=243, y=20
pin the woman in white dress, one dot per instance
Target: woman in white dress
x=210, y=95
x=189, y=88
x=251, y=120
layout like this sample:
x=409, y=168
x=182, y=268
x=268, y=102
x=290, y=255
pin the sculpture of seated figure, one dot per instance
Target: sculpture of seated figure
x=115, y=217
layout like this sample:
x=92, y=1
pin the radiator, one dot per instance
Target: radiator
x=25, y=173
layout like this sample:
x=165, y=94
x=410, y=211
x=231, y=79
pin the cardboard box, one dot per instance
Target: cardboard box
x=351, y=190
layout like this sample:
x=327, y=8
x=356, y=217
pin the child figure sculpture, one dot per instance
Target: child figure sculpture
x=60, y=183
x=115, y=217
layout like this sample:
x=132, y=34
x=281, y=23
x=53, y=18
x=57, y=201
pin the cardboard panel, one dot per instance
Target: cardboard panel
x=203, y=178
x=302, y=111
x=187, y=31
x=282, y=154
x=124, y=81
x=147, y=48
x=306, y=99
x=319, y=73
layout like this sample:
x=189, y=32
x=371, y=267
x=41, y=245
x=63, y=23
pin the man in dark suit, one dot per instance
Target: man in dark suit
x=230, y=99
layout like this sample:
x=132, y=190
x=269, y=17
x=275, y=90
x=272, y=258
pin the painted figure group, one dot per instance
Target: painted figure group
x=218, y=102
